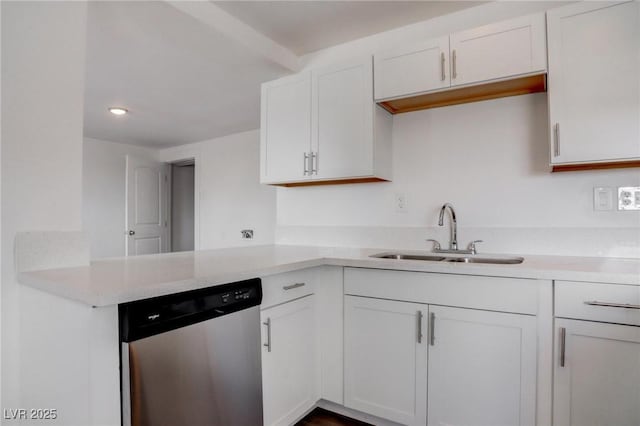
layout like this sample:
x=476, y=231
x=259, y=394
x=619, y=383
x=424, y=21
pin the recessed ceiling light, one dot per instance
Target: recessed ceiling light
x=118, y=111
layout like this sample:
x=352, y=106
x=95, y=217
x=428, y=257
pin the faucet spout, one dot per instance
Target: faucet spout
x=453, y=244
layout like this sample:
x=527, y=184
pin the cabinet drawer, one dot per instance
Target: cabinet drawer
x=614, y=303
x=281, y=288
x=491, y=293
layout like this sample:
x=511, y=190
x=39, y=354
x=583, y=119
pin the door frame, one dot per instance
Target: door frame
x=186, y=153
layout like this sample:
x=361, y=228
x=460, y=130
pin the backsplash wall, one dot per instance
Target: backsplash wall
x=490, y=160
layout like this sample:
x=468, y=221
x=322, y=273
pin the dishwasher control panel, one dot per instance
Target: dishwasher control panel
x=147, y=317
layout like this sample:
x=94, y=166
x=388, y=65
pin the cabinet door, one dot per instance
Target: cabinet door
x=290, y=383
x=342, y=133
x=386, y=359
x=412, y=70
x=599, y=381
x=594, y=82
x=499, y=51
x=482, y=368
x=285, y=129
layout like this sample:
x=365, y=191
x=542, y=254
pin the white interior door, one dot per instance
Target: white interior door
x=147, y=207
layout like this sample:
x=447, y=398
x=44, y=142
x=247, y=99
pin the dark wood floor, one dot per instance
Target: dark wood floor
x=322, y=417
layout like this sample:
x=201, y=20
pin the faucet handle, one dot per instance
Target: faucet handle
x=436, y=244
x=472, y=246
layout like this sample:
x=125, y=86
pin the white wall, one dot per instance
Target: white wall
x=103, y=192
x=490, y=159
x=182, y=207
x=42, y=109
x=229, y=197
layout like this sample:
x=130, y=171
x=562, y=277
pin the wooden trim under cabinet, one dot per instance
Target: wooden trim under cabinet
x=463, y=95
x=331, y=182
x=595, y=166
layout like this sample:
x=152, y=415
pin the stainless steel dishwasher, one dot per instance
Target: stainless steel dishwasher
x=193, y=358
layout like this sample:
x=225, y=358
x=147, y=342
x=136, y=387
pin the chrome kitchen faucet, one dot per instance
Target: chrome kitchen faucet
x=453, y=243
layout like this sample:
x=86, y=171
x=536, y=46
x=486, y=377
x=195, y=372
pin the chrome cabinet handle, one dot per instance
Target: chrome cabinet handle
x=563, y=339
x=432, y=329
x=306, y=163
x=454, y=72
x=314, y=163
x=612, y=305
x=556, y=140
x=132, y=232
x=268, y=344
x=442, y=75
x=292, y=286
x=419, y=314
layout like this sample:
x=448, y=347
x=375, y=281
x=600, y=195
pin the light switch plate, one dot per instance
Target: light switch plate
x=401, y=203
x=602, y=198
x=629, y=198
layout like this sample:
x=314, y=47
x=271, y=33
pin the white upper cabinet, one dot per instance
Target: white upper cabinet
x=342, y=135
x=501, y=50
x=413, y=69
x=594, y=82
x=324, y=126
x=285, y=129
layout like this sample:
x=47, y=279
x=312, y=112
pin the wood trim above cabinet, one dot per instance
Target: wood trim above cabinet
x=331, y=182
x=595, y=166
x=482, y=92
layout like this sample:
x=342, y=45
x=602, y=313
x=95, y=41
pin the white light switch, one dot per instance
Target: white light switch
x=602, y=198
x=401, y=203
x=629, y=198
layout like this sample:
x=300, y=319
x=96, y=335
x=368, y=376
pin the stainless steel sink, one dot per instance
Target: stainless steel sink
x=457, y=259
x=404, y=256
x=494, y=260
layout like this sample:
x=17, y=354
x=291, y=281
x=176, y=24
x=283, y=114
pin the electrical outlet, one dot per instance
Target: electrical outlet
x=629, y=198
x=401, y=203
x=247, y=234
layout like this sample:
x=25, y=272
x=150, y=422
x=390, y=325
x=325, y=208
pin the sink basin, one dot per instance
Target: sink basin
x=401, y=256
x=457, y=259
x=494, y=260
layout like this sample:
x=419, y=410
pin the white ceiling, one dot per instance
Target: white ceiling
x=184, y=80
x=307, y=26
x=181, y=80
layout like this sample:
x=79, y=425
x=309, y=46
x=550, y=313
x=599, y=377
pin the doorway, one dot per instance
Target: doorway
x=182, y=205
x=160, y=206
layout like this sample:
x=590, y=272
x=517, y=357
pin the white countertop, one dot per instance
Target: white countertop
x=119, y=280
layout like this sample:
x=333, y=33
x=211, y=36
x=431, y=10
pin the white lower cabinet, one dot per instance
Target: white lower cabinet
x=482, y=368
x=432, y=363
x=386, y=358
x=597, y=374
x=290, y=379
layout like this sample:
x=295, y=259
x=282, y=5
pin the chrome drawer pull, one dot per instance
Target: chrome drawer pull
x=292, y=286
x=268, y=344
x=419, y=326
x=432, y=329
x=563, y=345
x=612, y=305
